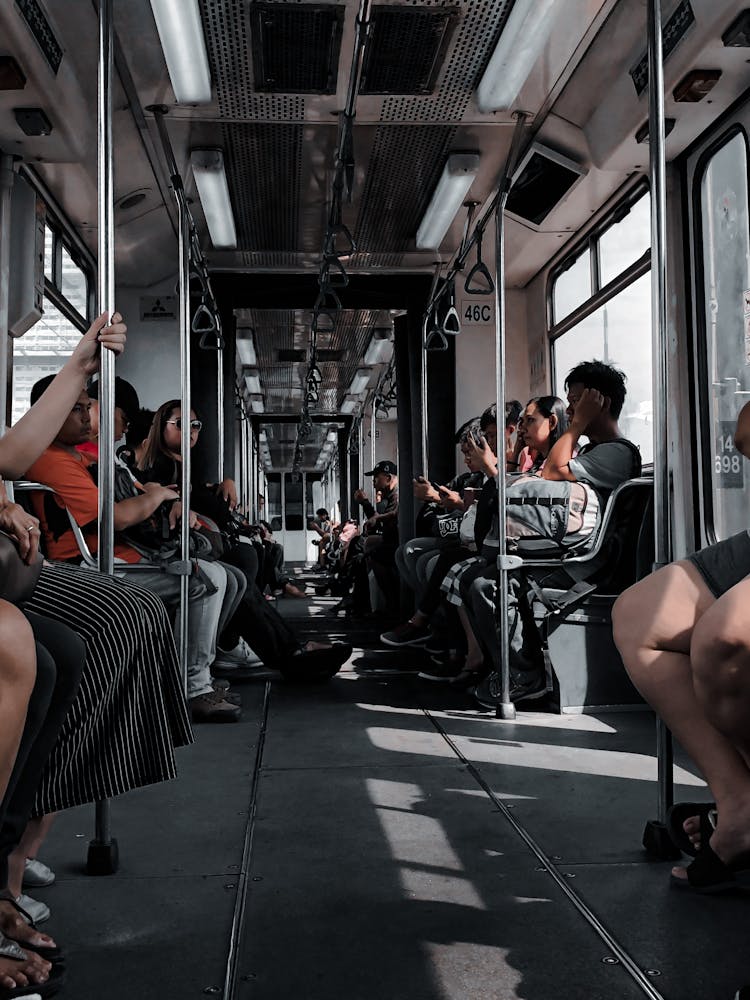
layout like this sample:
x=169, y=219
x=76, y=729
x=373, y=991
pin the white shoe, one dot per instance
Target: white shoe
x=36, y=874
x=38, y=911
x=240, y=656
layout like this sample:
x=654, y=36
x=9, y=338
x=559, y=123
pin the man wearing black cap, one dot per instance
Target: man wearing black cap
x=127, y=406
x=381, y=527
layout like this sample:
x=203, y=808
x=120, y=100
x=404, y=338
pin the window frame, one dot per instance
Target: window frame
x=601, y=294
x=701, y=332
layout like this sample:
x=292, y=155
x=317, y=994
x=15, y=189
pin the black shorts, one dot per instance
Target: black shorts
x=724, y=564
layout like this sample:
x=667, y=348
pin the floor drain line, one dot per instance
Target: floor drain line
x=240, y=903
x=628, y=963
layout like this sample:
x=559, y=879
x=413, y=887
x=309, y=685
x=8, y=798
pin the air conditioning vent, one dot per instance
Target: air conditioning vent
x=296, y=49
x=327, y=355
x=542, y=179
x=292, y=355
x=406, y=49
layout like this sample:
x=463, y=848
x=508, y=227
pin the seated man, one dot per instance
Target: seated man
x=66, y=470
x=684, y=637
x=596, y=394
x=381, y=527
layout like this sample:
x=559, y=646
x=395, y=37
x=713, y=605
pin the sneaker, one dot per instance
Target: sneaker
x=489, y=692
x=436, y=646
x=240, y=656
x=36, y=910
x=407, y=635
x=36, y=874
x=212, y=707
x=446, y=671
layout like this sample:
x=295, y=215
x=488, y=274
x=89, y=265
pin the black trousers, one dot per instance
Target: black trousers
x=60, y=655
x=433, y=595
x=259, y=624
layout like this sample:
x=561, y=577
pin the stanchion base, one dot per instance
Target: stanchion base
x=103, y=858
x=506, y=710
x=658, y=843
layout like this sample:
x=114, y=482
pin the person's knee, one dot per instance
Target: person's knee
x=18, y=658
x=720, y=656
x=626, y=612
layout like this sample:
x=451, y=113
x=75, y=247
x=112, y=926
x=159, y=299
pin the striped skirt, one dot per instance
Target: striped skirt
x=130, y=712
x=451, y=585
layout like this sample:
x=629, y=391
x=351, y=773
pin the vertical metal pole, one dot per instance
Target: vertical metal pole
x=348, y=486
x=106, y=303
x=183, y=234
x=7, y=178
x=220, y=409
x=373, y=436
x=423, y=356
x=659, y=334
x=506, y=708
x=106, y=290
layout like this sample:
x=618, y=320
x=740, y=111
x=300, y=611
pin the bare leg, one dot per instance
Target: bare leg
x=654, y=626
x=474, y=654
x=17, y=675
x=32, y=840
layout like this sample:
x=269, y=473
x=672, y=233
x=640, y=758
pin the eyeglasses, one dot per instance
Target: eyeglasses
x=195, y=425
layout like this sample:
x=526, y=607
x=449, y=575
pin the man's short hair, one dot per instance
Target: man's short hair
x=125, y=396
x=139, y=427
x=488, y=417
x=605, y=379
x=40, y=387
x=513, y=410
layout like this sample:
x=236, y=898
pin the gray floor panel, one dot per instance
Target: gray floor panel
x=405, y=883
x=699, y=944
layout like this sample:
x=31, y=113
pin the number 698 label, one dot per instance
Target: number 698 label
x=728, y=463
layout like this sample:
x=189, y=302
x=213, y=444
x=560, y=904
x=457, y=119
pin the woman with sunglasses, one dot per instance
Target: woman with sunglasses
x=265, y=631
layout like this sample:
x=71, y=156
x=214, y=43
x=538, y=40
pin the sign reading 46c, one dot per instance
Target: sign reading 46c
x=478, y=312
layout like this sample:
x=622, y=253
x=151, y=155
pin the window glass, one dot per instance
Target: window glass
x=74, y=285
x=619, y=334
x=41, y=351
x=726, y=278
x=572, y=287
x=625, y=242
x=293, y=502
x=49, y=253
x=273, y=508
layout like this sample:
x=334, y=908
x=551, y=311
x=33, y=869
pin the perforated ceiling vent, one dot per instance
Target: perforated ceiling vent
x=406, y=49
x=296, y=49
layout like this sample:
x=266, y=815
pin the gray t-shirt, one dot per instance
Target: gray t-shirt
x=604, y=466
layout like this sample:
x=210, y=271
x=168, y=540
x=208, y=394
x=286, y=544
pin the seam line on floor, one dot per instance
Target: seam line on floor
x=626, y=960
x=240, y=902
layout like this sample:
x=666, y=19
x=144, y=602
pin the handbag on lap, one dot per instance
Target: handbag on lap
x=18, y=579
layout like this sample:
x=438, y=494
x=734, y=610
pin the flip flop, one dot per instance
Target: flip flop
x=707, y=874
x=681, y=811
x=54, y=955
x=9, y=949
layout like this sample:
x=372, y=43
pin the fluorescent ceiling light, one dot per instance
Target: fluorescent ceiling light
x=360, y=382
x=349, y=405
x=458, y=173
x=181, y=34
x=332, y=436
x=253, y=385
x=262, y=437
x=519, y=48
x=256, y=404
x=380, y=348
x=213, y=190
x=246, y=349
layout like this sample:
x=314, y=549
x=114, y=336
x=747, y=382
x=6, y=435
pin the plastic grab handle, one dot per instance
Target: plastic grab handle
x=481, y=271
x=451, y=323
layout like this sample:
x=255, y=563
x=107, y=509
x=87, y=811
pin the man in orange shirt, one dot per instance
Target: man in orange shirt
x=66, y=470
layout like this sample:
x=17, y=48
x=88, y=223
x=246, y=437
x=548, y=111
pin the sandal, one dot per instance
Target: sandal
x=9, y=949
x=681, y=811
x=708, y=874
x=54, y=954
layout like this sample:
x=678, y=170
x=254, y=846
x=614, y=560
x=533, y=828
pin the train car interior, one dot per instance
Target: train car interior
x=338, y=233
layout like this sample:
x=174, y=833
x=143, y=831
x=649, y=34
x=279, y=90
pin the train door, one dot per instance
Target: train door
x=717, y=177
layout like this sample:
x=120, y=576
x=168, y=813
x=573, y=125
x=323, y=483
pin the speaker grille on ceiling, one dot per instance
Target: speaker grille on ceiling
x=296, y=49
x=406, y=49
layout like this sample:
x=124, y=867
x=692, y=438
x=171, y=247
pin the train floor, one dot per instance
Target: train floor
x=377, y=838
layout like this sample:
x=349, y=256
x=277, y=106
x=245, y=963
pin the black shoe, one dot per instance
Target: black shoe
x=446, y=672
x=489, y=692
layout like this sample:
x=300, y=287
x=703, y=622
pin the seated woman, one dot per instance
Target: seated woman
x=37, y=687
x=264, y=630
x=684, y=637
x=322, y=526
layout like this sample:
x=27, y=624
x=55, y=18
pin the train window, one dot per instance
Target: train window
x=42, y=351
x=618, y=333
x=74, y=284
x=572, y=287
x=273, y=509
x=625, y=241
x=725, y=250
